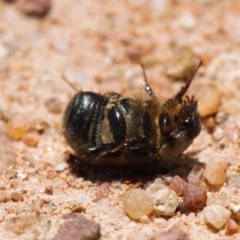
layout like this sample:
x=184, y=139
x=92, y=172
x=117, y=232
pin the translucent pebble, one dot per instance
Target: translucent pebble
x=61, y=167
x=216, y=170
x=195, y=175
x=17, y=127
x=208, y=96
x=137, y=203
x=155, y=186
x=218, y=134
x=177, y=184
x=165, y=202
x=216, y=215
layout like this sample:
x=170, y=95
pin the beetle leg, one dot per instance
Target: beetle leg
x=165, y=124
x=133, y=152
x=174, y=145
x=184, y=88
x=114, y=145
x=103, y=148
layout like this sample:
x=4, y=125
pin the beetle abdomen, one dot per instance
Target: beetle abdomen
x=82, y=116
x=107, y=126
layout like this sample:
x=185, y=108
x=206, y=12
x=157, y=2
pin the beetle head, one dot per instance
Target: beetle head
x=179, y=122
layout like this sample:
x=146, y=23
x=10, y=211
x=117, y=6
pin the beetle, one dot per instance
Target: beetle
x=113, y=130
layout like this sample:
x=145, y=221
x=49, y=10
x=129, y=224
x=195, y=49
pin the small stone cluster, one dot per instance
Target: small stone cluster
x=163, y=199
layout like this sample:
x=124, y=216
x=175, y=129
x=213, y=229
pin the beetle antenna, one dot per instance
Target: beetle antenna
x=148, y=89
x=69, y=83
x=184, y=89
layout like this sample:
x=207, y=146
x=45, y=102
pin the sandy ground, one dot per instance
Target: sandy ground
x=97, y=46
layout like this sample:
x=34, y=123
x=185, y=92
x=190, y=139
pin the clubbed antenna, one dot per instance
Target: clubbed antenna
x=69, y=83
x=184, y=89
x=148, y=89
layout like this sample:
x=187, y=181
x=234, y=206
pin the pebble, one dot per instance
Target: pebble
x=31, y=139
x=195, y=174
x=137, y=203
x=231, y=227
x=218, y=134
x=48, y=190
x=234, y=207
x=16, y=127
x=145, y=220
x=103, y=206
x=136, y=234
x=53, y=105
x=79, y=228
x=22, y=175
x=219, y=198
x=78, y=208
x=18, y=225
x=171, y=234
x=28, y=223
x=41, y=127
x=165, y=202
x=182, y=65
x=36, y=8
x=16, y=197
x=102, y=192
x=216, y=215
x=61, y=167
x=234, y=181
x=155, y=186
x=177, y=184
x=233, y=133
x=208, y=97
x=194, y=197
x=216, y=170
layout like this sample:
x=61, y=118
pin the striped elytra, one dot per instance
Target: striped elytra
x=113, y=130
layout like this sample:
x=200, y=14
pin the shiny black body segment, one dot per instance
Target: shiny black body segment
x=109, y=130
